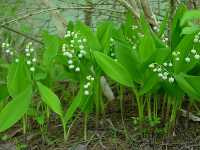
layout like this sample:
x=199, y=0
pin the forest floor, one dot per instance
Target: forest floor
x=109, y=135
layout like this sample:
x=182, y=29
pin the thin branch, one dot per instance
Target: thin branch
x=52, y=9
x=22, y=34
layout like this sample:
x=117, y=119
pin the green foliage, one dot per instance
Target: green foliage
x=113, y=69
x=50, y=99
x=18, y=78
x=15, y=109
x=160, y=73
x=51, y=44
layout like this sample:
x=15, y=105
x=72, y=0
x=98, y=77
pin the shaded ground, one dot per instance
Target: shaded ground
x=110, y=135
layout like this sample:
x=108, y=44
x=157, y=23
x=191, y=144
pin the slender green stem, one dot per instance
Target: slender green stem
x=122, y=112
x=140, y=107
x=64, y=130
x=85, y=126
x=24, y=124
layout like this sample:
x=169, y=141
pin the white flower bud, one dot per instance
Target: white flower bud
x=7, y=51
x=165, y=64
x=111, y=40
x=80, y=55
x=187, y=59
x=170, y=64
x=82, y=52
x=3, y=45
x=77, y=69
x=155, y=70
x=112, y=54
x=32, y=49
x=85, y=86
x=81, y=47
x=34, y=60
x=26, y=49
x=75, y=36
x=177, y=58
x=32, y=69
x=28, y=62
x=193, y=51
x=159, y=69
x=164, y=77
x=71, y=66
x=165, y=73
x=171, y=80
x=196, y=40
x=151, y=65
x=174, y=53
x=84, y=40
x=197, y=56
x=160, y=75
x=11, y=53
x=16, y=60
x=88, y=77
x=70, y=62
x=86, y=92
x=28, y=54
x=69, y=55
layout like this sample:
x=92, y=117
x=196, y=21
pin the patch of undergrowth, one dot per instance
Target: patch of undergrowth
x=65, y=78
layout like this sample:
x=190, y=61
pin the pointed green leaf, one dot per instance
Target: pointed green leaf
x=189, y=84
x=15, y=109
x=50, y=99
x=73, y=107
x=18, y=78
x=113, y=69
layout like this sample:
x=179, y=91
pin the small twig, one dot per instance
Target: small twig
x=52, y=9
x=22, y=34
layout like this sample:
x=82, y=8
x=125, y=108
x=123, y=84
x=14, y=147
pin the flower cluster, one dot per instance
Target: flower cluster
x=162, y=71
x=176, y=55
x=112, y=49
x=197, y=38
x=192, y=55
x=7, y=49
x=87, y=86
x=164, y=38
x=156, y=29
x=74, y=50
x=134, y=27
x=30, y=56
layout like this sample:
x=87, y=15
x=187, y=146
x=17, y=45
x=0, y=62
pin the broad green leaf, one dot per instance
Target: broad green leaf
x=15, y=109
x=113, y=69
x=3, y=91
x=150, y=81
x=190, y=30
x=18, y=78
x=50, y=99
x=163, y=25
x=189, y=84
x=104, y=31
x=129, y=59
x=161, y=55
x=176, y=28
x=51, y=44
x=147, y=47
x=144, y=24
x=73, y=106
x=190, y=15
